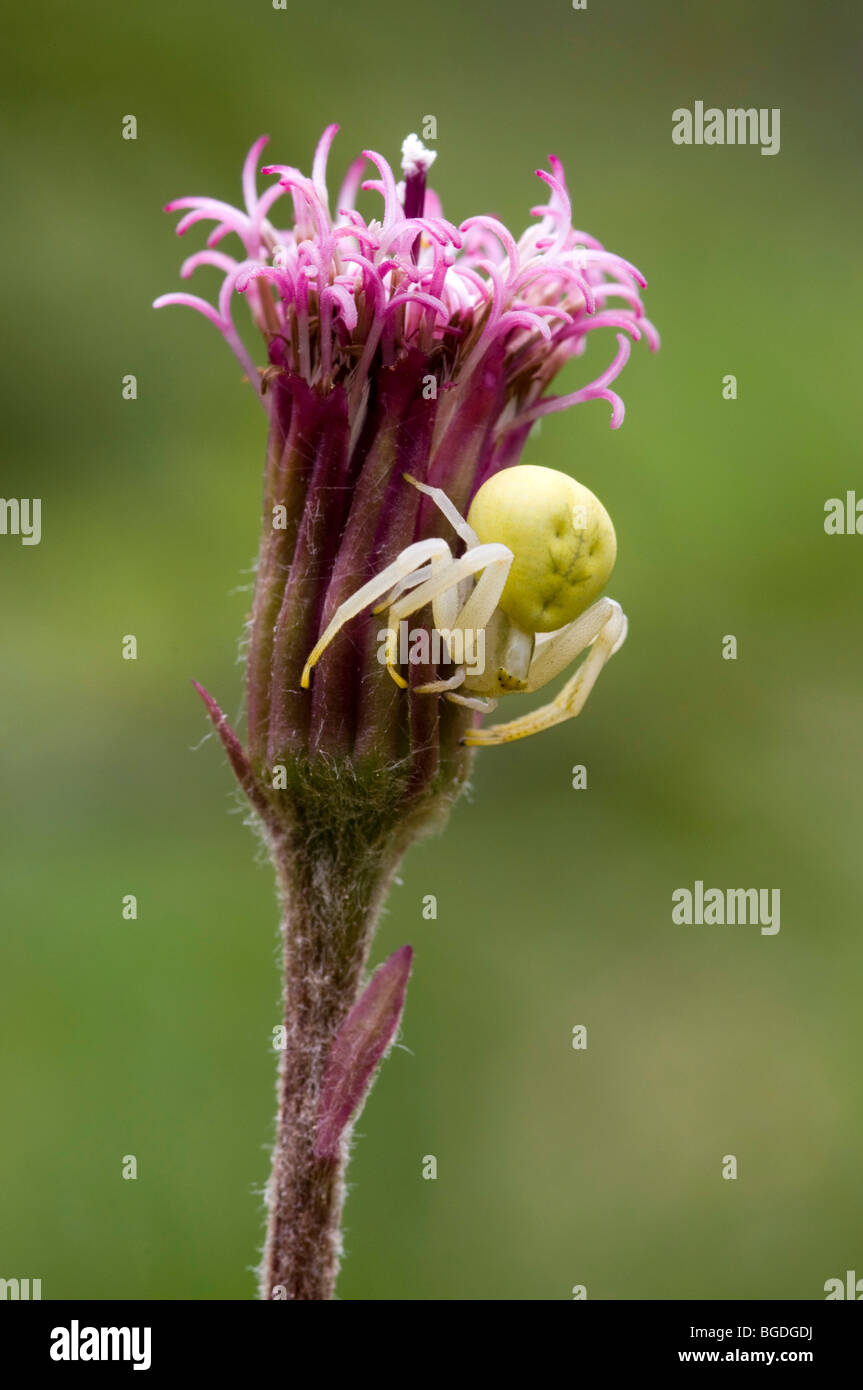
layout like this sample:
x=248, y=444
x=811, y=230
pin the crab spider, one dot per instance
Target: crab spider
x=539, y=547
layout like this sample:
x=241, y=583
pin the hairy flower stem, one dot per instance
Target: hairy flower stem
x=331, y=900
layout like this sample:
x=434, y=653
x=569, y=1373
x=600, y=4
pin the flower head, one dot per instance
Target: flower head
x=399, y=344
x=338, y=296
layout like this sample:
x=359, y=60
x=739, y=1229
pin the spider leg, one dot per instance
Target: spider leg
x=481, y=604
x=402, y=587
x=438, y=687
x=555, y=651
x=493, y=560
x=480, y=702
x=414, y=556
x=570, y=701
x=443, y=503
x=438, y=590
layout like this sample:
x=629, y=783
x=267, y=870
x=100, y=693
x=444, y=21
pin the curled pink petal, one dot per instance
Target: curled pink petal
x=250, y=168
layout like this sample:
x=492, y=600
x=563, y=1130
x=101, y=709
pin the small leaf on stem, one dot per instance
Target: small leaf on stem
x=236, y=757
x=358, y=1047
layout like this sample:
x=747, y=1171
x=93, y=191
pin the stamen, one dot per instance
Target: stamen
x=416, y=162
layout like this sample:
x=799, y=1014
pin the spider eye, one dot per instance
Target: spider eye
x=561, y=537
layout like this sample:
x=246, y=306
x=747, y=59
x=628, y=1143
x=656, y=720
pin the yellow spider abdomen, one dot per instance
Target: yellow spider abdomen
x=561, y=537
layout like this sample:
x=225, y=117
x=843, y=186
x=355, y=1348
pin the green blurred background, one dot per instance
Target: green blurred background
x=152, y=1038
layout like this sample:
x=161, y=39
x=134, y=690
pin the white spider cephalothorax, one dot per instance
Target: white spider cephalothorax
x=539, y=547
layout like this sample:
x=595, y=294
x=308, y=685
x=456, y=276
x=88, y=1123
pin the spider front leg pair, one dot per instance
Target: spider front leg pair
x=538, y=549
x=464, y=594
x=427, y=573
